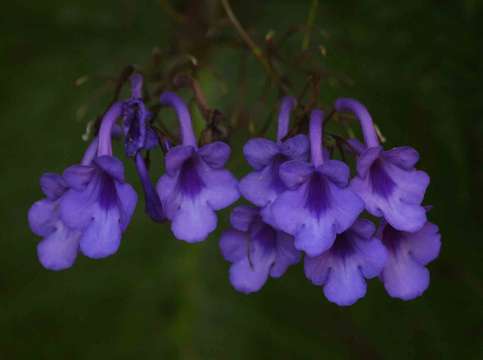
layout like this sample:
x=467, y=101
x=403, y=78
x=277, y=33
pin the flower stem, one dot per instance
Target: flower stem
x=310, y=23
x=256, y=50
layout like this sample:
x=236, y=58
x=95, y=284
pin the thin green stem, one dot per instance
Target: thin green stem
x=310, y=23
x=255, y=49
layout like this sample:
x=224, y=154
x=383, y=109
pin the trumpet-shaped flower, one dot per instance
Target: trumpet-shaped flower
x=355, y=256
x=195, y=184
x=256, y=250
x=99, y=203
x=318, y=204
x=405, y=275
x=387, y=181
x=263, y=185
x=59, y=246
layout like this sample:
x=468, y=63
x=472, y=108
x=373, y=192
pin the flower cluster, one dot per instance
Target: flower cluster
x=304, y=204
x=307, y=203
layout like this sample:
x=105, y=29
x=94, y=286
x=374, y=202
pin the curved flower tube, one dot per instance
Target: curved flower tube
x=387, y=180
x=99, y=203
x=256, y=250
x=317, y=204
x=195, y=184
x=355, y=256
x=263, y=185
x=405, y=275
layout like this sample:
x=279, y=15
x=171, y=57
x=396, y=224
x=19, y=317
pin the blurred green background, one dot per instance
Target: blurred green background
x=417, y=65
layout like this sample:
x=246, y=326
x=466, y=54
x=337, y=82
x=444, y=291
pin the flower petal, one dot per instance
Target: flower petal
x=152, y=139
x=412, y=184
x=259, y=152
x=404, y=278
x=286, y=254
x=288, y=210
x=258, y=186
x=221, y=187
x=364, y=228
x=245, y=279
x=243, y=216
x=342, y=269
x=233, y=245
x=111, y=165
x=401, y=207
x=78, y=176
x=193, y=221
x=52, y=185
x=76, y=207
x=176, y=157
x=424, y=244
x=102, y=236
x=296, y=148
x=345, y=283
x=127, y=202
x=215, y=154
x=294, y=173
x=315, y=233
x=58, y=250
x=403, y=156
x=317, y=268
x=315, y=237
x=168, y=194
x=312, y=235
x=366, y=159
x=250, y=273
x=336, y=171
x=404, y=275
x=371, y=256
x=43, y=216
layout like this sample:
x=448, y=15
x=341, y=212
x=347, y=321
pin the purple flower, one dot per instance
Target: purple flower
x=318, y=203
x=405, y=275
x=59, y=247
x=139, y=135
x=387, y=181
x=196, y=183
x=262, y=186
x=256, y=250
x=99, y=203
x=355, y=256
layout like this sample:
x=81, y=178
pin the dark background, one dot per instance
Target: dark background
x=417, y=65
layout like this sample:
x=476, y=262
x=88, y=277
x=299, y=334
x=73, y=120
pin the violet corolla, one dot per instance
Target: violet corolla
x=387, y=180
x=256, y=250
x=263, y=185
x=318, y=204
x=195, y=184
